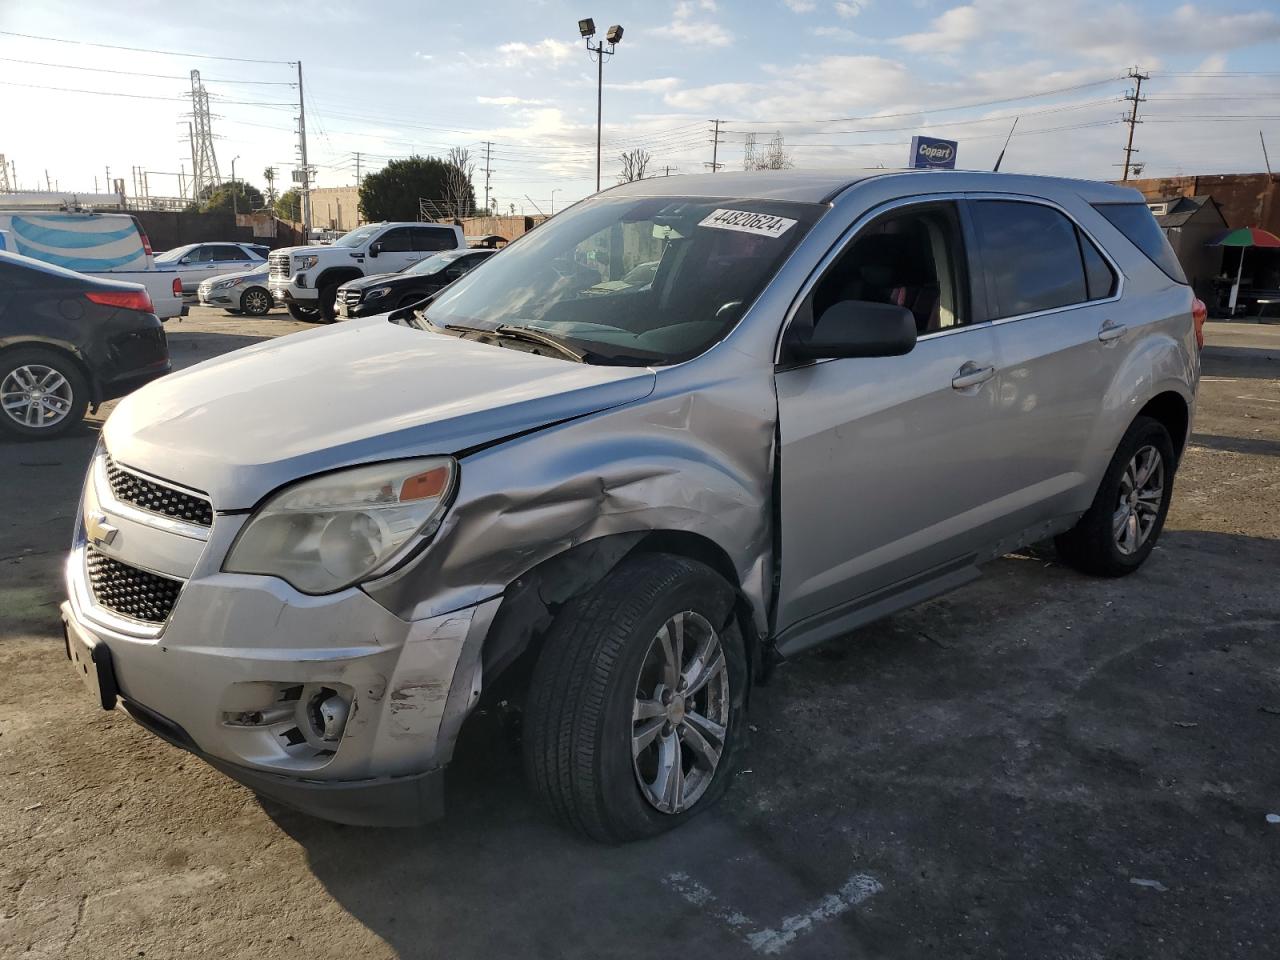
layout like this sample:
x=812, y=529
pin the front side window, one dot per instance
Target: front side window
x=566, y=279
x=1031, y=256
x=433, y=239
x=201, y=255
x=910, y=259
x=395, y=241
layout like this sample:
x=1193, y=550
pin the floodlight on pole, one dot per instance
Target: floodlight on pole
x=613, y=37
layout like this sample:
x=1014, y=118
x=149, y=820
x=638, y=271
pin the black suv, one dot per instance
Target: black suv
x=68, y=341
x=383, y=292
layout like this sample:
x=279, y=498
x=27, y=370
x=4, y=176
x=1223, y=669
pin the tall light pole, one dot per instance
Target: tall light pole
x=613, y=36
x=553, y=201
x=235, y=206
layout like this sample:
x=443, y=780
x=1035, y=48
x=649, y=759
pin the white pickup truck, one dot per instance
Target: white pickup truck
x=306, y=279
x=110, y=245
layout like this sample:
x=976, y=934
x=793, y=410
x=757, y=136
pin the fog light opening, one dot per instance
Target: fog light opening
x=328, y=713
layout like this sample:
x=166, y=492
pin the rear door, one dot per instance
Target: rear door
x=1054, y=297
x=433, y=239
x=887, y=464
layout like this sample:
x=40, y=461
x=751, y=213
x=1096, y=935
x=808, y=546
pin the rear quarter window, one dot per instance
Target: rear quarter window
x=1135, y=221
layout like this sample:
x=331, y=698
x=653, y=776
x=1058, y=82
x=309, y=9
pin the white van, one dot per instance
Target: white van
x=112, y=245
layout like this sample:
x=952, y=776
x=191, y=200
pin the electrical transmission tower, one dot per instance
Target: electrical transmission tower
x=204, y=162
x=5, y=186
x=749, y=152
x=1137, y=98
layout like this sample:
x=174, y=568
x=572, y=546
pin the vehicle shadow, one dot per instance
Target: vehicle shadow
x=1251, y=362
x=1254, y=445
x=973, y=759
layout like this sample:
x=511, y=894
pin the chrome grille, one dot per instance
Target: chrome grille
x=158, y=498
x=279, y=264
x=129, y=592
x=351, y=297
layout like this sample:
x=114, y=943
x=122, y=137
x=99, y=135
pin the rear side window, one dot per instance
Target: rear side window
x=225, y=252
x=1135, y=221
x=431, y=240
x=1098, y=275
x=1031, y=255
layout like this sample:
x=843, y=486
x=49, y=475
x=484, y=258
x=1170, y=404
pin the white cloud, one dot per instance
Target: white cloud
x=801, y=6
x=548, y=50
x=690, y=25
x=835, y=33
x=508, y=101
x=948, y=32
x=652, y=85
x=851, y=8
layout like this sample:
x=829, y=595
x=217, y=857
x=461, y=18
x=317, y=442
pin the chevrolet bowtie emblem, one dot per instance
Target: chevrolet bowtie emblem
x=98, y=530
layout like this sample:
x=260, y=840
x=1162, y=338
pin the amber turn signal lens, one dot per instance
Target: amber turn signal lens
x=423, y=486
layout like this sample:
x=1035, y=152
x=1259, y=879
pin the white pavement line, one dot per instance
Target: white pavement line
x=769, y=940
x=1219, y=379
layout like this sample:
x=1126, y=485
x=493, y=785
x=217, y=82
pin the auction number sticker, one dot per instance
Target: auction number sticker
x=744, y=221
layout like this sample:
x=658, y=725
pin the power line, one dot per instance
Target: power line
x=139, y=96
x=135, y=73
x=165, y=53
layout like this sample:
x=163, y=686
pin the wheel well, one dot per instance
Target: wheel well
x=89, y=378
x=531, y=602
x=337, y=275
x=1171, y=410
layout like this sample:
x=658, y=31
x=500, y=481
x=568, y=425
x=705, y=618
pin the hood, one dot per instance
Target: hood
x=257, y=273
x=374, y=280
x=241, y=425
x=319, y=248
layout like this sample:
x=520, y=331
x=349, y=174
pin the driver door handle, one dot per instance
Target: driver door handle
x=971, y=375
x=1111, y=331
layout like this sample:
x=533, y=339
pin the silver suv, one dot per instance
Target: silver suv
x=619, y=503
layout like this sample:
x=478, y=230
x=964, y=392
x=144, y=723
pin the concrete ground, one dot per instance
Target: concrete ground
x=1038, y=765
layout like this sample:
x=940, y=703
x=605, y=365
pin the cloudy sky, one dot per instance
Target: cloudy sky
x=844, y=83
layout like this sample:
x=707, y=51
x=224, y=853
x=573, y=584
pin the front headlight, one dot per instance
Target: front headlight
x=377, y=292
x=305, y=263
x=226, y=284
x=336, y=530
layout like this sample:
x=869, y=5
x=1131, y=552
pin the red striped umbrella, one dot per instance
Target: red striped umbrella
x=1246, y=237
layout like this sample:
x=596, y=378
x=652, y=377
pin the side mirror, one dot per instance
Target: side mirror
x=375, y=248
x=185, y=260
x=857, y=328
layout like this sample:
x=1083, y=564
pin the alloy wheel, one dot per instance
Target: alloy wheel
x=680, y=717
x=36, y=395
x=1141, y=495
x=255, y=302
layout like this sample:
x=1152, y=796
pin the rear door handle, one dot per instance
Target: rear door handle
x=1111, y=331
x=971, y=375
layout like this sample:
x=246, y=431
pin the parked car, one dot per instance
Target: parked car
x=196, y=262
x=384, y=292
x=245, y=292
x=109, y=245
x=837, y=398
x=69, y=342
x=306, y=279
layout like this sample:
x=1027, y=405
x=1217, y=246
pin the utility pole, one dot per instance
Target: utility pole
x=488, y=148
x=306, y=170
x=5, y=187
x=1133, y=120
x=357, y=168
x=715, y=147
x=48, y=184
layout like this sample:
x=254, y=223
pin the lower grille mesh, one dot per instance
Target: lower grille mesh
x=128, y=591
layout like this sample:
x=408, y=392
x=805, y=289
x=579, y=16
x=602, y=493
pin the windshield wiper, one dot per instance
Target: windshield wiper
x=546, y=340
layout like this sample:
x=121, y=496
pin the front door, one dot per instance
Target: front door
x=887, y=464
x=395, y=252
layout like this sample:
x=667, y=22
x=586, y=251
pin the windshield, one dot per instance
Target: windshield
x=425, y=268
x=358, y=236
x=176, y=254
x=578, y=277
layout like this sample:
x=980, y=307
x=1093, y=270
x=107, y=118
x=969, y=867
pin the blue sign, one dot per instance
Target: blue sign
x=932, y=152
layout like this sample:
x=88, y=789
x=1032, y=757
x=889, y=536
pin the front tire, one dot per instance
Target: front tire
x=1119, y=531
x=636, y=708
x=328, y=303
x=255, y=302
x=303, y=314
x=42, y=393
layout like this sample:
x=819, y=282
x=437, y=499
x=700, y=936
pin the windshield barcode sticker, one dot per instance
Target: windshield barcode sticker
x=744, y=221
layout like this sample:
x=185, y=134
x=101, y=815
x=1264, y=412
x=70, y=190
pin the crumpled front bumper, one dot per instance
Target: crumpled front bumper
x=232, y=637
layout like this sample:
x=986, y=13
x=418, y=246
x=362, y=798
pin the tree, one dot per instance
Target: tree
x=288, y=205
x=269, y=175
x=776, y=156
x=217, y=198
x=635, y=163
x=461, y=196
x=394, y=191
